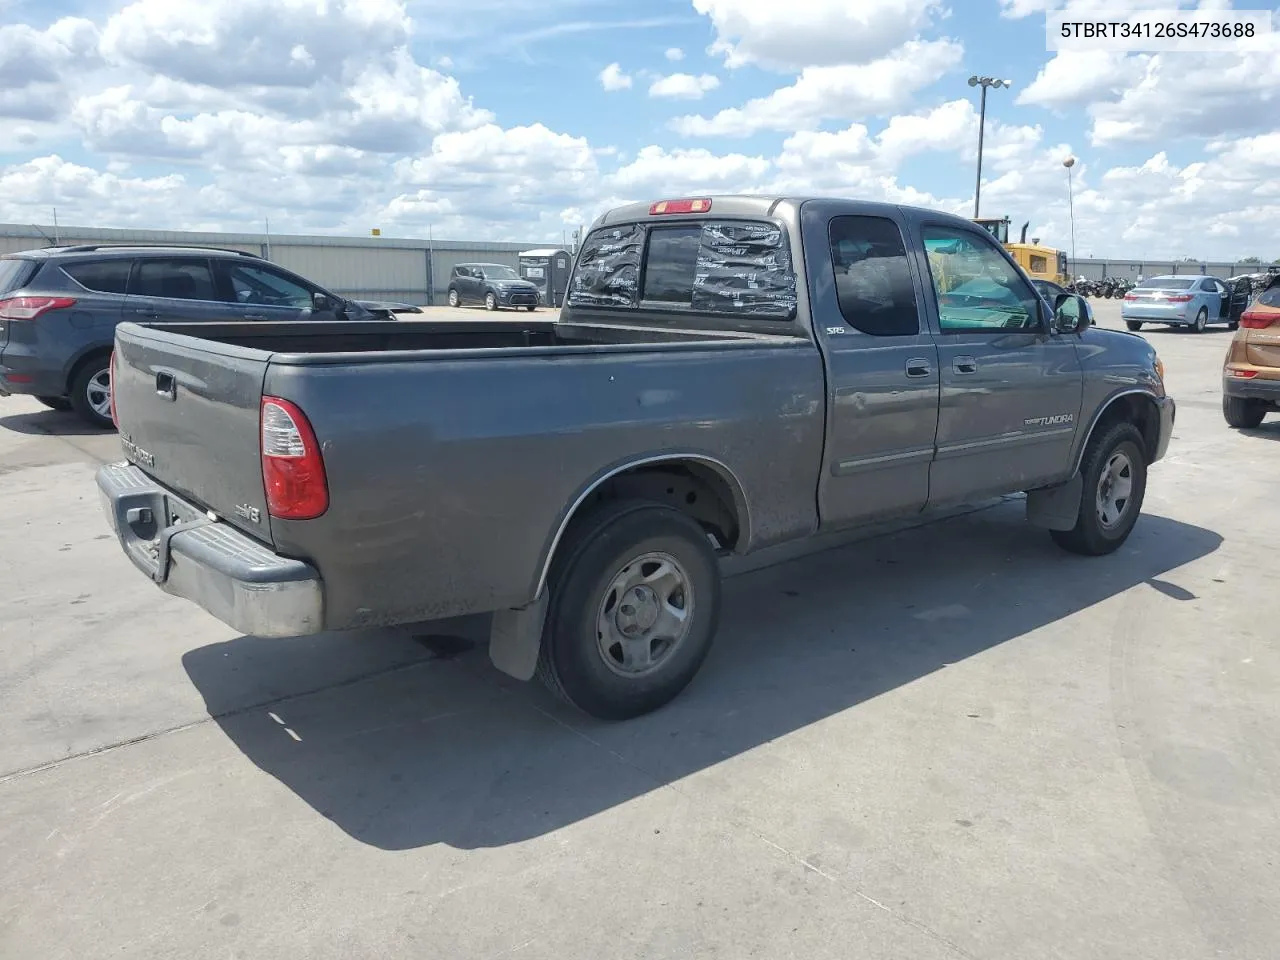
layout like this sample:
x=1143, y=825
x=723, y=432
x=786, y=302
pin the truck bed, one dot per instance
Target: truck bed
x=301, y=339
x=453, y=449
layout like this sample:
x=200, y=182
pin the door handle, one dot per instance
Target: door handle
x=149, y=312
x=918, y=367
x=254, y=316
x=167, y=386
x=964, y=365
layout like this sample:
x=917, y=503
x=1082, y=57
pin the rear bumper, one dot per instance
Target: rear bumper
x=1251, y=389
x=1156, y=314
x=34, y=376
x=191, y=555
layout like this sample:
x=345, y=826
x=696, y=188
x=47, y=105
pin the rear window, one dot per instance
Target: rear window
x=14, y=273
x=1270, y=297
x=733, y=267
x=102, y=276
x=1166, y=283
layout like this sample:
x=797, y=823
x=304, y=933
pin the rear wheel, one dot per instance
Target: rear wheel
x=1134, y=325
x=1243, y=413
x=1202, y=320
x=454, y=299
x=91, y=392
x=635, y=601
x=490, y=302
x=55, y=403
x=1233, y=325
x=1114, y=472
x=531, y=307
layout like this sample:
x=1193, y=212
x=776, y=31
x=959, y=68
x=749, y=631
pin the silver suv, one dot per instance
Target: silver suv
x=59, y=307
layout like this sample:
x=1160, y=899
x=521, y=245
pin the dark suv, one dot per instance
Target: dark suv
x=59, y=307
x=493, y=284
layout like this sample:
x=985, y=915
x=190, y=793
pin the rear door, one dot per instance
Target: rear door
x=882, y=367
x=262, y=292
x=188, y=412
x=1011, y=387
x=176, y=290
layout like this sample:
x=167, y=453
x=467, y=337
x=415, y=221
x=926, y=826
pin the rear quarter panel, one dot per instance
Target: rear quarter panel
x=450, y=477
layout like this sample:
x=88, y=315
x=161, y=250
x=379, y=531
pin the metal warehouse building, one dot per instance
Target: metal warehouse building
x=363, y=268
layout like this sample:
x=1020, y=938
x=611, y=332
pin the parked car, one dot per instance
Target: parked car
x=496, y=285
x=387, y=310
x=1251, y=373
x=579, y=479
x=59, y=307
x=1048, y=289
x=1181, y=301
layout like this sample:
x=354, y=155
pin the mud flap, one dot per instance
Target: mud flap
x=1055, y=508
x=516, y=637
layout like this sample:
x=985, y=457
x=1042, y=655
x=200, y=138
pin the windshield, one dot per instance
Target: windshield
x=499, y=272
x=1166, y=283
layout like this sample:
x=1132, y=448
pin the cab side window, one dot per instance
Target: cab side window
x=978, y=290
x=873, y=281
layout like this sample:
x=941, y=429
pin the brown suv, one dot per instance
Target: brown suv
x=1251, y=373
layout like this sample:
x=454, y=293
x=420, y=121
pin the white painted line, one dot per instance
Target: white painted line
x=292, y=734
x=275, y=718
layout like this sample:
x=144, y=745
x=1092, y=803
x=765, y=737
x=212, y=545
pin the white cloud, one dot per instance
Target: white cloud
x=834, y=93
x=612, y=78
x=674, y=53
x=793, y=36
x=683, y=86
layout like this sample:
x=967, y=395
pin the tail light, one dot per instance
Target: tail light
x=28, y=308
x=1130, y=297
x=1179, y=298
x=292, y=467
x=111, y=385
x=1256, y=320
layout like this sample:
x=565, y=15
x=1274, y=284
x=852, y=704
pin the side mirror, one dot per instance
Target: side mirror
x=320, y=303
x=1071, y=314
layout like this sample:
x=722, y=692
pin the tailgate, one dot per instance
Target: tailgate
x=188, y=413
x=1262, y=347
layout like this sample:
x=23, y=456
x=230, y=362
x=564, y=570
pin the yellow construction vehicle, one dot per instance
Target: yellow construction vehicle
x=1044, y=263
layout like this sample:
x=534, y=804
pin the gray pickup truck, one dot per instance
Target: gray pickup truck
x=728, y=373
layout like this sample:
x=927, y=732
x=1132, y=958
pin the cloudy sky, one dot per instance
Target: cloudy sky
x=520, y=119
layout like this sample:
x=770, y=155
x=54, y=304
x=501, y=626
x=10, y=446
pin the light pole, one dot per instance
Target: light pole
x=1071, y=205
x=984, y=82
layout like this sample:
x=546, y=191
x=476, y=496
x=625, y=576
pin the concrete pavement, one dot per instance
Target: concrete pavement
x=952, y=741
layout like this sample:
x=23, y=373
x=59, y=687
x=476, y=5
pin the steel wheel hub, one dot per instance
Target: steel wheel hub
x=1115, y=487
x=644, y=615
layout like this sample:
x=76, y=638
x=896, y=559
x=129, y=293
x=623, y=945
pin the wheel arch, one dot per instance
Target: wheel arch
x=83, y=358
x=1138, y=407
x=695, y=483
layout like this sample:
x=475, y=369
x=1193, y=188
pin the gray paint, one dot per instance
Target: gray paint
x=455, y=461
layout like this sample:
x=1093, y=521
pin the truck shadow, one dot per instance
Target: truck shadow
x=423, y=742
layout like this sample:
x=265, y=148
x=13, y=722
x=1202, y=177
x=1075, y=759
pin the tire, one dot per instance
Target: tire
x=1092, y=536
x=1243, y=413
x=619, y=542
x=454, y=299
x=1202, y=320
x=1233, y=325
x=490, y=302
x=90, y=393
x=532, y=307
x=1134, y=325
x=55, y=403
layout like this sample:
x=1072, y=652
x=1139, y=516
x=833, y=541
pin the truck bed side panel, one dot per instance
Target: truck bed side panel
x=449, y=478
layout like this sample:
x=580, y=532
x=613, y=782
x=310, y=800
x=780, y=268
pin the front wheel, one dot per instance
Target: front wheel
x=1134, y=325
x=490, y=302
x=1202, y=320
x=1233, y=325
x=55, y=403
x=635, y=602
x=531, y=307
x=1243, y=413
x=1114, y=474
